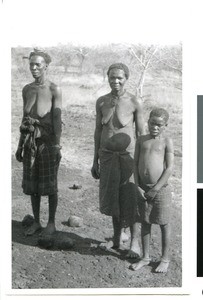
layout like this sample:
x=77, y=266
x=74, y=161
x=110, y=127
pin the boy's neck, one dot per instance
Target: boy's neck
x=157, y=137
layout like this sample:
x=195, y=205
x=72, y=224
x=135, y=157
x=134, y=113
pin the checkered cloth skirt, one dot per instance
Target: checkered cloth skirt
x=40, y=175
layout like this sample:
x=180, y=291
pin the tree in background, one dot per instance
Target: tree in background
x=146, y=62
x=153, y=59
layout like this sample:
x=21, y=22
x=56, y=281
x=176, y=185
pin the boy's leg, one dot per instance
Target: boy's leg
x=165, y=236
x=35, y=201
x=145, y=233
x=134, y=251
x=53, y=201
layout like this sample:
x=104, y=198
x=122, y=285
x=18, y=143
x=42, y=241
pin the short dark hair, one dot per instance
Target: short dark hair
x=160, y=112
x=119, y=66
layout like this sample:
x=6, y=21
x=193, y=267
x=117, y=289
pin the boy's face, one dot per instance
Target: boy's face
x=156, y=126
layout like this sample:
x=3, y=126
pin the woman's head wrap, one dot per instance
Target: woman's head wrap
x=42, y=53
x=119, y=66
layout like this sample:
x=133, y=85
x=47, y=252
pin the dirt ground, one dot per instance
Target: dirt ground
x=84, y=265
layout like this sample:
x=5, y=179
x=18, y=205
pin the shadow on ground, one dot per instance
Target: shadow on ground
x=66, y=241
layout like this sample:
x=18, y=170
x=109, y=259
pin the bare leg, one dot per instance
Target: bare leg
x=117, y=233
x=53, y=201
x=145, y=233
x=134, y=251
x=165, y=236
x=116, y=242
x=124, y=235
x=35, y=201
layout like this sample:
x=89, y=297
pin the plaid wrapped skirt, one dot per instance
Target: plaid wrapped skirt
x=40, y=174
x=158, y=210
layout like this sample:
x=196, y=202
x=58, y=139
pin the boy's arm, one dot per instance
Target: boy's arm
x=136, y=159
x=169, y=160
x=136, y=170
x=56, y=111
x=139, y=119
x=97, y=139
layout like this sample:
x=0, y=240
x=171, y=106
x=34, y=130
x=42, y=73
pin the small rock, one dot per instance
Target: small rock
x=27, y=221
x=75, y=221
x=75, y=187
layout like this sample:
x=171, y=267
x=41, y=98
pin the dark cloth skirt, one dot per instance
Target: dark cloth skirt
x=40, y=173
x=117, y=187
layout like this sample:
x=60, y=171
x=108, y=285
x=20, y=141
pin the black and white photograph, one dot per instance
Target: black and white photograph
x=77, y=112
x=101, y=169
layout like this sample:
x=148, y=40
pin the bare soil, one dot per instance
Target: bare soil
x=84, y=265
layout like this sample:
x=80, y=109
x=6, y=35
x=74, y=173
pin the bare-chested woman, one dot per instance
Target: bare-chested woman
x=39, y=144
x=115, y=133
x=153, y=166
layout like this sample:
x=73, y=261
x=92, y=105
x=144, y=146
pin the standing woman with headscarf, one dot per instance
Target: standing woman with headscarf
x=39, y=143
x=115, y=136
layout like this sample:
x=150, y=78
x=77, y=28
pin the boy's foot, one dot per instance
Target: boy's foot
x=163, y=266
x=32, y=229
x=143, y=262
x=134, y=251
x=49, y=230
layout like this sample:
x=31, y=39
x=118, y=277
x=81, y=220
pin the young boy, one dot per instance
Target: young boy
x=154, y=158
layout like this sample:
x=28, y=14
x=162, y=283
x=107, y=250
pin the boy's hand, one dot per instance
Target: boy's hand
x=150, y=195
x=18, y=154
x=142, y=193
x=95, y=170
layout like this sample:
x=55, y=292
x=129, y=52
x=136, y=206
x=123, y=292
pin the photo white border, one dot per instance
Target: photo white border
x=137, y=21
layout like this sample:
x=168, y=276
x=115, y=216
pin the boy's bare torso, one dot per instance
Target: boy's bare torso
x=151, y=159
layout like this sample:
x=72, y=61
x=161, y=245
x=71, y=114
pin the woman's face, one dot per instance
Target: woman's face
x=117, y=79
x=37, y=66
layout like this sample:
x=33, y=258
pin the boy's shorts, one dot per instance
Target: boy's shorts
x=156, y=211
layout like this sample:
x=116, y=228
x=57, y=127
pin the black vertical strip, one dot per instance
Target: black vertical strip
x=200, y=233
x=200, y=139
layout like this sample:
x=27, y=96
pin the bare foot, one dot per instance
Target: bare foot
x=143, y=262
x=33, y=228
x=110, y=245
x=163, y=266
x=134, y=251
x=106, y=245
x=49, y=230
x=132, y=254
